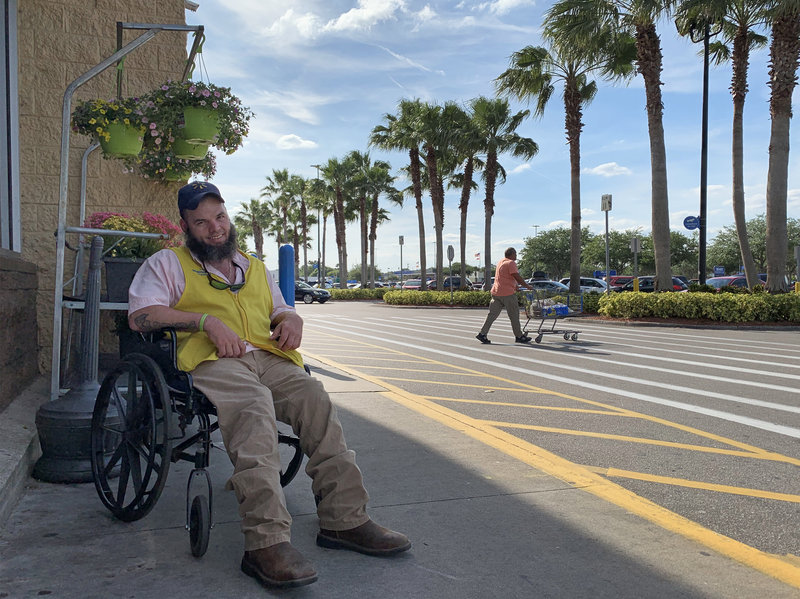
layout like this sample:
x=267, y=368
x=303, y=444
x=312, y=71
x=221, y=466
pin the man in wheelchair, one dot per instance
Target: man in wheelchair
x=223, y=304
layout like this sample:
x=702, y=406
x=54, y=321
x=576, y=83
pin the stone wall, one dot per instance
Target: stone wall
x=19, y=358
x=58, y=42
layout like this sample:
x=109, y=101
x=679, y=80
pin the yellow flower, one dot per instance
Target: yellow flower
x=92, y=121
x=126, y=121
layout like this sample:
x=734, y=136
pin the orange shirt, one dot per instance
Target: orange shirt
x=504, y=281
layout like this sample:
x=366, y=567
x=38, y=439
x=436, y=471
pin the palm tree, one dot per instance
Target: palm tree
x=738, y=17
x=338, y=175
x=277, y=190
x=582, y=24
x=531, y=75
x=498, y=127
x=250, y=220
x=403, y=131
x=434, y=130
x=465, y=147
x=381, y=182
x=362, y=164
x=784, y=55
x=320, y=199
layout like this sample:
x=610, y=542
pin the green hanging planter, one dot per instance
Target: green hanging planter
x=124, y=140
x=189, y=151
x=176, y=176
x=201, y=125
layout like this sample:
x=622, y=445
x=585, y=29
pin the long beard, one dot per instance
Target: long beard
x=212, y=253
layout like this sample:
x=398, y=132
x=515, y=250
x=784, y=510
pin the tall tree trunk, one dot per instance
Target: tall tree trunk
x=362, y=208
x=416, y=182
x=322, y=270
x=488, y=210
x=784, y=56
x=466, y=189
x=741, y=54
x=304, y=224
x=438, y=210
x=258, y=239
x=573, y=126
x=341, y=243
x=373, y=235
x=648, y=49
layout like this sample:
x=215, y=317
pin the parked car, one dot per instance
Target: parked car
x=307, y=293
x=589, y=285
x=646, y=285
x=730, y=281
x=454, y=281
x=412, y=284
x=548, y=286
x=619, y=281
x=478, y=285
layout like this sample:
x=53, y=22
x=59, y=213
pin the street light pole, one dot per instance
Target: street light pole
x=320, y=279
x=703, y=33
x=536, y=249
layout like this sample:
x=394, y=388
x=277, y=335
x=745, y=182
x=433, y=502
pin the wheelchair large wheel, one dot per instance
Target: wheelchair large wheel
x=131, y=437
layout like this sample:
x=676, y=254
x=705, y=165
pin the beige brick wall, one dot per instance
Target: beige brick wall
x=58, y=41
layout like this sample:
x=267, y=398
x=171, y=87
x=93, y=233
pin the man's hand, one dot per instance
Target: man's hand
x=288, y=332
x=228, y=343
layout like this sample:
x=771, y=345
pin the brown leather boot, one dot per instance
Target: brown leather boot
x=279, y=566
x=369, y=538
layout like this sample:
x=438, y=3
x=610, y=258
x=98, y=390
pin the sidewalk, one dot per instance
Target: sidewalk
x=482, y=524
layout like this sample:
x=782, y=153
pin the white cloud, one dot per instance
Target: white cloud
x=367, y=14
x=520, y=168
x=294, y=142
x=410, y=62
x=296, y=104
x=609, y=169
x=501, y=7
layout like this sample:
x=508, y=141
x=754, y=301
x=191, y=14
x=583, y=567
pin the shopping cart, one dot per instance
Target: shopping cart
x=548, y=307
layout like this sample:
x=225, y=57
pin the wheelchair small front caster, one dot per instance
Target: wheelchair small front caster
x=199, y=525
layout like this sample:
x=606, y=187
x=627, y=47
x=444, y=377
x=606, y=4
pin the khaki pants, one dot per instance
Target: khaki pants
x=511, y=305
x=250, y=394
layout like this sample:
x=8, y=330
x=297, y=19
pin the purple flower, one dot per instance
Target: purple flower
x=152, y=125
x=214, y=104
x=206, y=93
x=164, y=87
x=217, y=94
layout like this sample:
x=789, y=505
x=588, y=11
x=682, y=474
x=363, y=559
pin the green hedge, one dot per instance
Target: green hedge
x=437, y=298
x=723, y=307
x=358, y=294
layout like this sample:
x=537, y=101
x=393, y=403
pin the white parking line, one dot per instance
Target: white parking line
x=747, y=421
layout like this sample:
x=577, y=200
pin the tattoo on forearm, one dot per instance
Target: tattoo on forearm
x=146, y=325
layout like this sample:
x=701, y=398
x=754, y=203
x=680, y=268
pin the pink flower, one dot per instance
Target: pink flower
x=152, y=125
x=214, y=104
x=206, y=93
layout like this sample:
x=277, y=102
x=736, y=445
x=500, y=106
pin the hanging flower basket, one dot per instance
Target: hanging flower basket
x=123, y=140
x=201, y=125
x=116, y=124
x=189, y=151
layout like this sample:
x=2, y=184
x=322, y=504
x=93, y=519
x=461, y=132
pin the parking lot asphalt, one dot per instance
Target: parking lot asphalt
x=483, y=523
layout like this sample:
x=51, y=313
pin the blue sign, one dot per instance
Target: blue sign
x=601, y=274
x=719, y=271
x=691, y=222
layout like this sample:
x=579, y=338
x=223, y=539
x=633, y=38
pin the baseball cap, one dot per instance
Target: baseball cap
x=191, y=194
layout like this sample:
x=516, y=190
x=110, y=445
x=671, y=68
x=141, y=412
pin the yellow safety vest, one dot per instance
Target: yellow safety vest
x=246, y=312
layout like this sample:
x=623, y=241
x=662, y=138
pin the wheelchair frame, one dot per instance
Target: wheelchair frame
x=135, y=435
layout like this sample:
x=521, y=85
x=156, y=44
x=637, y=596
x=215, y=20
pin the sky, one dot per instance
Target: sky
x=319, y=75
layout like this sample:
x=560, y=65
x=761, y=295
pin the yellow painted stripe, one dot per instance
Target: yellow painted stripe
x=627, y=439
x=382, y=368
x=524, y=405
x=580, y=477
x=776, y=457
x=694, y=484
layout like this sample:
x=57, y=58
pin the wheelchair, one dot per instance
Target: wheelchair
x=148, y=414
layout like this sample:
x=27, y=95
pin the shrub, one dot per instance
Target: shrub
x=723, y=307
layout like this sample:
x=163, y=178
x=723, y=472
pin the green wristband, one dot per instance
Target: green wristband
x=202, y=321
